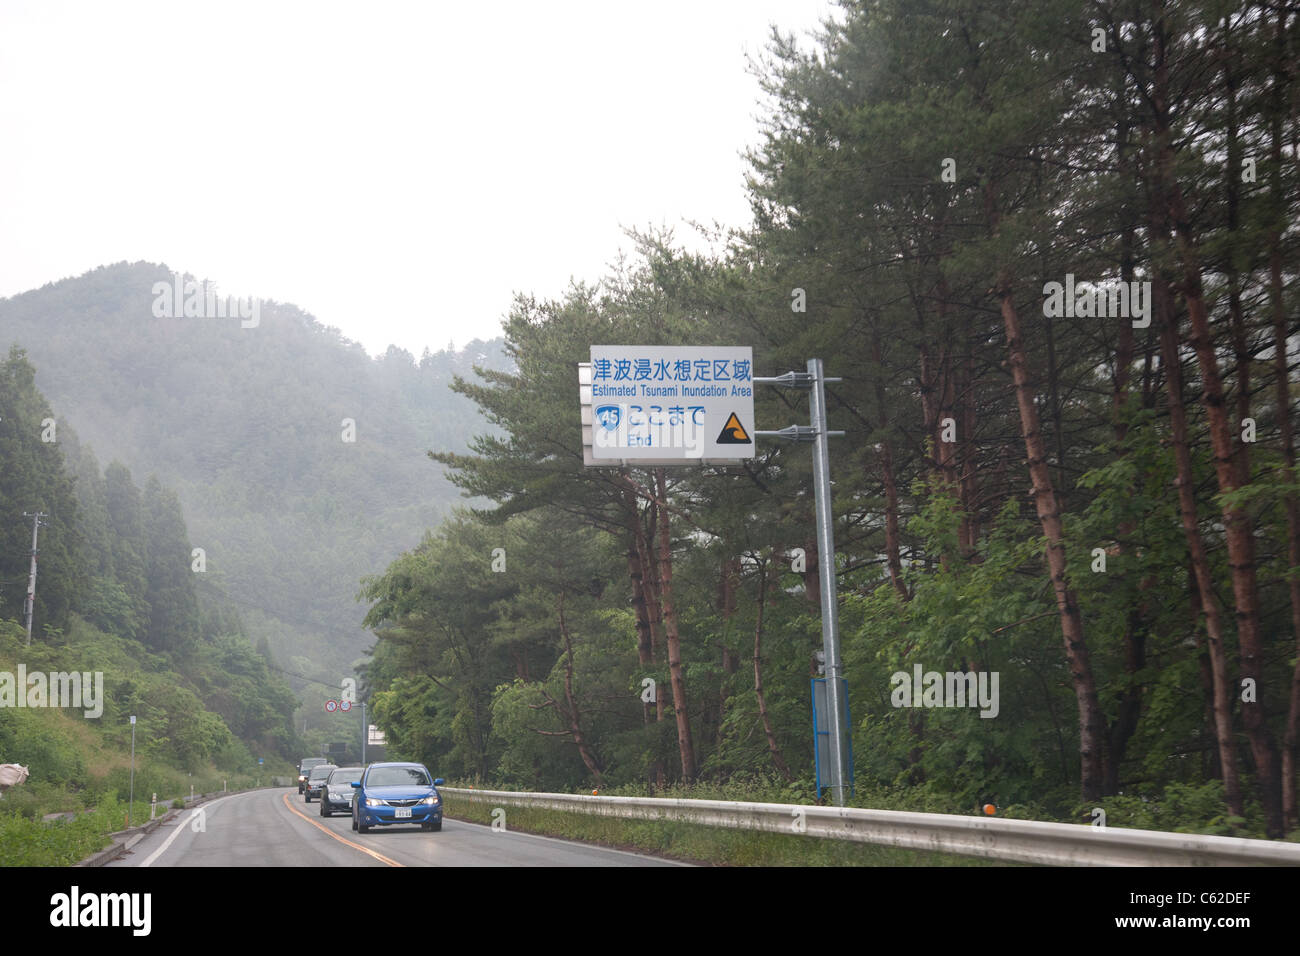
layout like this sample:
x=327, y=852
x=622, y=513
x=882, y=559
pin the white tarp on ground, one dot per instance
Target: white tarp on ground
x=11, y=775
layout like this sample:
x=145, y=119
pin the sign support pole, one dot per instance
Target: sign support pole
x=814, y=380
x=826, y=573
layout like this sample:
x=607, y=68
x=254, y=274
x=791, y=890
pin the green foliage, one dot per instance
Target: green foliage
x=33, y=479
x=926, y=172
x=145, y=641
x=25, y=842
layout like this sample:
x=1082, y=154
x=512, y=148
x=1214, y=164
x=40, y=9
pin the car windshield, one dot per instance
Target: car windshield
x=397, y=777
x=345, y=776
x=320, y=773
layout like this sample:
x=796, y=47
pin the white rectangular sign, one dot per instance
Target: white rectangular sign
x=660, y=402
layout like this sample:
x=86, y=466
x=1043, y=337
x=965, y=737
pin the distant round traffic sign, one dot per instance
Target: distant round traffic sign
x=345, y=705
x=331, y=706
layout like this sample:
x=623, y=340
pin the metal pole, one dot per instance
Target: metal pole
x=31, y=580
x=826, y=573
x=365, y=732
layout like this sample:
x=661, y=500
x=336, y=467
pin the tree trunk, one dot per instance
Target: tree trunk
x=1091, y=721
x=778, y=761
x=727, y=585
x=1237, y=522
x=893, y=545
x=1282, y=383
x=573, y=712
x=1135, y=625
x=635, y=571
x=684, y=741
x=1236, y=319
x=969, y=485
x=1162, y=305
x=1240, y=534
x=654, y=618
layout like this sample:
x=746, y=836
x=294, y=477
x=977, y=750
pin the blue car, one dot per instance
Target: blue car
x=390, y=793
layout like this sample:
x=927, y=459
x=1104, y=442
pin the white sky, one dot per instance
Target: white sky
x=396, y=169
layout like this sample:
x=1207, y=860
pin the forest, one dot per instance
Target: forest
x=247, y=426
x=118, y=594
x=1050, y=249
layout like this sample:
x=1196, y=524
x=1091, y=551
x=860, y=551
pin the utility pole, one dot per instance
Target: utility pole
x=131, y=800
x=814, y=381
x=365, y=733
x=30, y=604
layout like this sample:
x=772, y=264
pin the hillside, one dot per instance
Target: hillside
x=247, y=424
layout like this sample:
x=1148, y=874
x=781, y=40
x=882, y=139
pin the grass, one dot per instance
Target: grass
x=27, y=842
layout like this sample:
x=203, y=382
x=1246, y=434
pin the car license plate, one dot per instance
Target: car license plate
x=402, y=813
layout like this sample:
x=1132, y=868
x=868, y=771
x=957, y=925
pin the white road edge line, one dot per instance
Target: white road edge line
x=180, y=825
x=577, y=843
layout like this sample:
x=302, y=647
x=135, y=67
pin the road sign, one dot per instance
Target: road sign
x=331, y=706
x=667, y=405
x=345, y=705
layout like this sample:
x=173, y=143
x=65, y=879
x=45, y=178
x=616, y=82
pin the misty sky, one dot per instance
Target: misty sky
x=396, y=169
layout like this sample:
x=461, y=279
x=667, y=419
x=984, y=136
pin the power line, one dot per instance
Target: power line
x=288, y=619
x=312, y=680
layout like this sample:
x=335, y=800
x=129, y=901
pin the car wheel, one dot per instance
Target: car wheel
x=323, y=805
x=307, y=798
x=363, y=828
x=354, y=821
x=431, y=827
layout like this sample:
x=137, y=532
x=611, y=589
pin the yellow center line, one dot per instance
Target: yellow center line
x=324, y=829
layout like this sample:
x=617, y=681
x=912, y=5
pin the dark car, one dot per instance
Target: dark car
x=304, y=767
x=336, y=794
x=316, y=778
x=390, y=793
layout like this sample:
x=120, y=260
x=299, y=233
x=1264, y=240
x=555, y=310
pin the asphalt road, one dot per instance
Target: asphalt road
x=276, y=828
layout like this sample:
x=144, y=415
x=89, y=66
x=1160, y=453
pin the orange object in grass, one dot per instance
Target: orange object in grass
x=989, y=809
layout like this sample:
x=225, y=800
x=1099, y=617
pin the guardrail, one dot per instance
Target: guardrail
x=1022, y=841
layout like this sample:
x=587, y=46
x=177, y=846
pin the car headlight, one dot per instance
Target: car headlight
x=431, y=801
x=372, y=802
x=301, y=778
